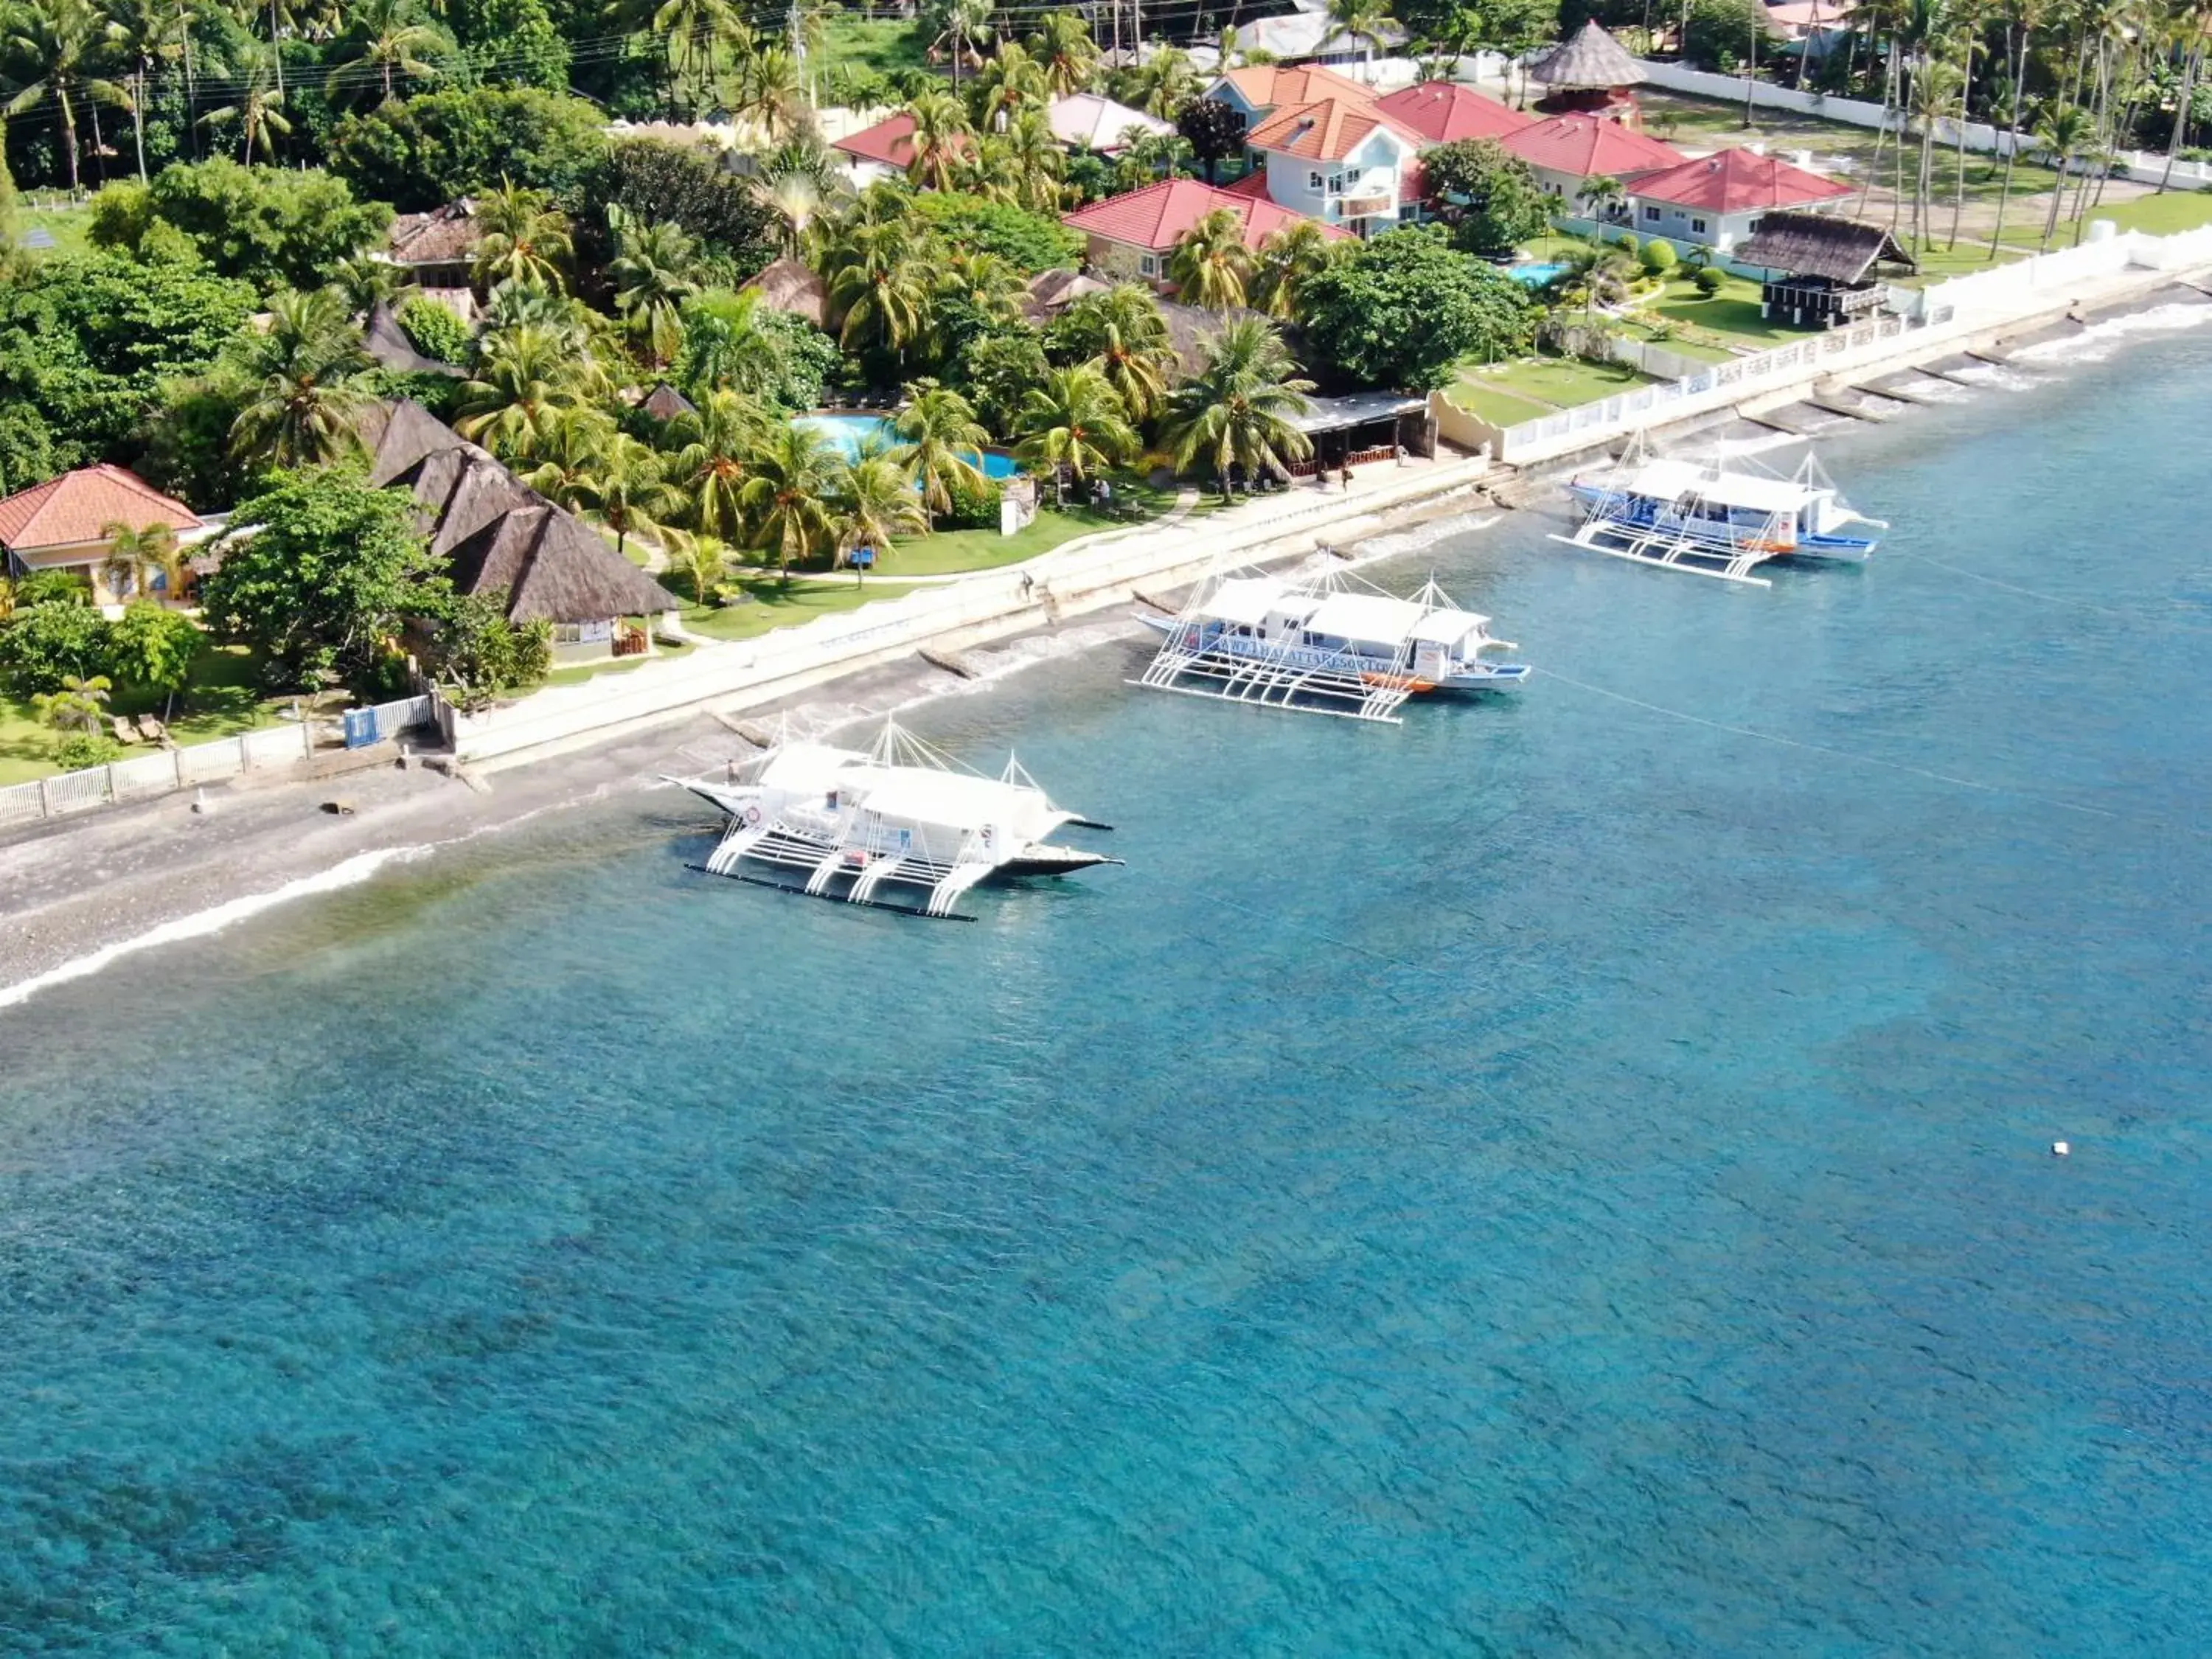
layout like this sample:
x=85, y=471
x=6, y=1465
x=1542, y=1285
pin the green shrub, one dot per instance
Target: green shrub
x=973, y=507
x=78, y=750
x=433, y=329
x=1659, y=257
x=1710, y=279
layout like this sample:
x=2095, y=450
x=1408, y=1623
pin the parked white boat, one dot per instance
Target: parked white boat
x=1338, y=646
x=1720, y=517
x=899, y=814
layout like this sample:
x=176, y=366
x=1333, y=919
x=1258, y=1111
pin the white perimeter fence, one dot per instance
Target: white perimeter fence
x=139, y=777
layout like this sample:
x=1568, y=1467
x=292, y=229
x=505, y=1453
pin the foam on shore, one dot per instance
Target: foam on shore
x=2099, y=340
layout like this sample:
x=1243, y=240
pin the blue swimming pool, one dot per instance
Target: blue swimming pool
x=1534, y=275
x=849, y=432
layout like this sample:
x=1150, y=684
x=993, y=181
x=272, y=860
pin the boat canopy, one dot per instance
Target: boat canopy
x=1449, y=628
x=1249, y=601
x=1372, y=618
x=1669, y=480
x=955, y=800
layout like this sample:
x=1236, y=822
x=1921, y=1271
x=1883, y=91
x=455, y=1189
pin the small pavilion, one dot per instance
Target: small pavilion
x=1822, y=272
x=1592, y=74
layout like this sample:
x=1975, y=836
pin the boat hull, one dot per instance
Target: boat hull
x=1467, y=678
x=1643, y=516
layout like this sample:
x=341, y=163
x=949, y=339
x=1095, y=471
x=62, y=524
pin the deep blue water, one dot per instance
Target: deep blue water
x=1557, y=1179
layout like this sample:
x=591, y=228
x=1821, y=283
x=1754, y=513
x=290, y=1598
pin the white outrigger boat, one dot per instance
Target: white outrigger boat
x=1338, y=645
x=1716, y=518
x=897, y=814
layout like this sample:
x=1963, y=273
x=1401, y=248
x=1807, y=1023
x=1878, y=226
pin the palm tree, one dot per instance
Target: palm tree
x=307, y=394
x=134, y=556
x=653, y=274
x=1361, y=22
x=258, y=111
x=2192, y=34
x=393, y=39
x=563, y=452
x=1074, y=420
x=1125, y=338
x=879, y=285
x=1600, y=195
x=1289, y=259
x=626, y=489
x=147, y=32
x=365, y=283
x=1063, y=48
x=1238, y=410
x=1165, y=81
x=940, y=438
x=1211, y=266
x=701, y=36
x=1035, y=158
x=795, y=476
x=56, y=38
x=2064, y=132
x=1936, y=90
x=2025, y=17
x=719, y=438
x=877, y=505
x=1012, y=81
x=960, y=24
x=795, y=199
x=526, y=237
x=704, y=559
x=525, y=375
x=772, y=93
x=988, y=282
x=77, y=704
x=727, y=344
x=940, y=139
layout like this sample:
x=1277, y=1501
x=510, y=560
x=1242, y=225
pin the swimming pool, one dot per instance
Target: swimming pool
x=849, y=432
x=1534, y=275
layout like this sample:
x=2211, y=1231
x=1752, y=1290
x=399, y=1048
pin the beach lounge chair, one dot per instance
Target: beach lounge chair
x=125, y=732
x=152, y=730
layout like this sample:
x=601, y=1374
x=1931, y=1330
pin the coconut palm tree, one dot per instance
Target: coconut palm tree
x=135, y=556
x=2064, y=132
x=1237, y=411
x=711, y=468
x=258, y=110
x=365, y=283
x=771, y=92
x=307, y=394
x=2192, y=34
x=626, y=489
x=1012, y=81
x=525, y=376
x=876, y=505
x=148, y=34
x=1125, y=338
x=1063, y=48
x=2025, y=17
x=57, y=38
x=654, y=273
x=1036, y=159
x=77, y=706
x=702, y=35
x=1165, y=81
x=959, y=24
x=879, y=285
x=1287, y=261
x=940, y=438
x=703, y=558
x=990, y=283
x=392, y=39
x=1211, y=266
x=526, y=237
x=1074, y=420
x=795, y=475
x=1363, y=22
x=940, y=139
x=727, y=344
x=564, y=451
x=1936, y=91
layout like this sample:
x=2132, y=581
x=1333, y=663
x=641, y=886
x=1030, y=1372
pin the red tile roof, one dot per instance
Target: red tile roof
x=79, y=506
x=1326, y=129
x=1734, y=181
x=1271, y=86
x=1588, y=147
x=1441, y=112
x=1159, y=216
x=890, y=140
x=1252, y=184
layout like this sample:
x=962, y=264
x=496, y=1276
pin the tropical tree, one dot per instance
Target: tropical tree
x=879, y=285
x=78, y=705
x=257, y=111
x=1288, y=259
x=365, y=283
x=148, y=34
x=564, y=451
x=1363, y=23
x=525, y=376
x=987, y=282
x=795, y=476
x=1238, y=410
x=940, y=438
x=959, y=25
x=654, y=273
x=1075, y=421
x=56, y=39
x=304, y=370
x=877, y=505
x=2064, y=132
x=1165, y=81
x=702, y=36
x=135, y=556
x=771, y=92
x=1012, y=81
x=702, y=559
x=727, y=344
x=526, y=237
x=940, y=139
x=795, y=198
x=156, y=648
x=392, y=38
x=626, y=489
x=1123, y=336
x=1036, y=160
x=711, y=468
x=1211, y=265
x=1063, y=48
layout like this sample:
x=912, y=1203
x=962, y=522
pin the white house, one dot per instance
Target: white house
x=1711, y=202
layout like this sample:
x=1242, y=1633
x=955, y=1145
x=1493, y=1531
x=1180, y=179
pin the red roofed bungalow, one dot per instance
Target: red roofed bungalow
x=1712, y=201
x=1444, y=112
x=885, y=151
x=1132, y=234
x=1567, y=151
x=66, y=524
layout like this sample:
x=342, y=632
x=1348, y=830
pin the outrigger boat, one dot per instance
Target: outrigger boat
x=1715, y=517
x=1337, y=645
x=899, y=814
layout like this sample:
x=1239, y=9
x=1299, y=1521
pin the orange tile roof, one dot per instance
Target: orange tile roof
x=1588, y=147
x=1328, y=130
x=1734, y=181
x=1159, y=216
x=1441, y=112
x=1270, y=86
x=79, y=506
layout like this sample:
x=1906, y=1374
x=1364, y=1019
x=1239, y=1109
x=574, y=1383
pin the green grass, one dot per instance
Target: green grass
x=951, y=552
x=776, y=605
x=857, y=43
x=221, y=701
x=68, y=225
x=1529, y=388
x=2156, y=216
x=1495, y=407
x=1733, y=313
x=1680, y=344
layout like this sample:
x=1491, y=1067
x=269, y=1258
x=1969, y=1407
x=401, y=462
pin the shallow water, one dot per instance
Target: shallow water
x=1562, y=1178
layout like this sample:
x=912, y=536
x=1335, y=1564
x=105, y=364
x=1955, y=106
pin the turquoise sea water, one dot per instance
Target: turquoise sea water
x=1566, y=1178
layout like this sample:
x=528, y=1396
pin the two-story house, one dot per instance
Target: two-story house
x=1338, y=159
x=1134, y=234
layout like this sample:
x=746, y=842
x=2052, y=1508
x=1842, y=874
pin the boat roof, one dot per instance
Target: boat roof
x=1246, y=601
x=1448, y=627
x=955, y=798
x=1673, y=478
x=1373, y=617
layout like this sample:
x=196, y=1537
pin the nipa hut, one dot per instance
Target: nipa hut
x=1820, y=272
x=1593, y=72
x=495, y=532
x=788, y=286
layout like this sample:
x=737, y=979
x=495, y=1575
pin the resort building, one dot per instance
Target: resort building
x=1567, y=152
x=437, y=249
x=1087, y=121
x=878, y=152
x=1258, y=90
x=68, y=524
x=1134, y=234
x=1590, y=73
x=1822, y=272
x=1711, y=202
x=1310, y=35
x=1443, y=112
x=1338, y=159
x=497, y=534
x=795, y=288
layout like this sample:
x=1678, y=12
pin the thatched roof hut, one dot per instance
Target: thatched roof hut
x=1189, y=327
x=666, y=402
x=388, y=344
x=1592, y=60
x=1813, y=245
x=496, y=531
x=1051, y=292
x=789, y=286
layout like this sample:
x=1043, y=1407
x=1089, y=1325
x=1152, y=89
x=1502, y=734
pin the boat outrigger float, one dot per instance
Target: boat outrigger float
x=1714, y=517
x=1335, y=645
x=899, y=814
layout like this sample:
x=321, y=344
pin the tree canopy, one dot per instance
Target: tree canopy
x=1403, y=309
x=422, y=152
x=267, y=226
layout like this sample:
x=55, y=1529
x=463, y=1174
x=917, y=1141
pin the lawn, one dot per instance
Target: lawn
x=776, y=605
x=1939, y=264
x=2156, y=216
x=1733, y=313
x=221, y=701
x=857, y=43
x=948, y=552
x=68, y=225
x=1679, y=343
x=1529, y=388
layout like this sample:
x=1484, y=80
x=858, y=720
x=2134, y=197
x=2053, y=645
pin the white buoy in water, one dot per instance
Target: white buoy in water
x=2059, y=1149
